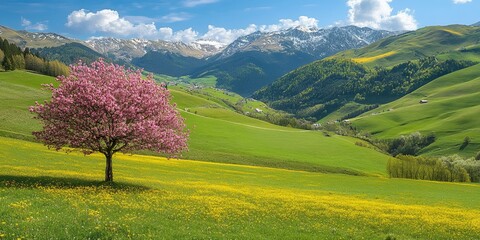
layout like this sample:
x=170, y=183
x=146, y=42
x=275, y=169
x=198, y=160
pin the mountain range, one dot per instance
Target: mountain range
x=244, y=66
x=354, y=81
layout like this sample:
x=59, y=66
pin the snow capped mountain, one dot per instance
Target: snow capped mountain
x=317, y=42
x=33, y=39
x=127, y=49
x=314, y=41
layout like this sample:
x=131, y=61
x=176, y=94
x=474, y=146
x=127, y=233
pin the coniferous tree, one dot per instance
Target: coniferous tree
x=8, y=65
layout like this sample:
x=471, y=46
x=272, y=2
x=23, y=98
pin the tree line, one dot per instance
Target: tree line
x=12, y=57
x=450, y=169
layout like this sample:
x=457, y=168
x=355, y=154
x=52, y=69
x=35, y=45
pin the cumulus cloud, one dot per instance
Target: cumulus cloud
x=227, y=36
x=378, y=14
x=27, y=24
x=194, y=3
x=108, y=21
x=461, y=1
x=283, y=24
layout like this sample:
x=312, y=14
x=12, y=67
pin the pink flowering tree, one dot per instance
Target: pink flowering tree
x=106, y=108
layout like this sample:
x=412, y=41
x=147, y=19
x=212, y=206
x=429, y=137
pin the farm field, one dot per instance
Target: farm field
x=46, y=193
x=453, y=104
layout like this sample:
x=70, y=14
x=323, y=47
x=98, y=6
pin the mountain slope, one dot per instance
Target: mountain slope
x=255, y=60
x=69, y=53
x=383, y=73
x=440, y=41
x=317, y=42
x=33, y=40
x=168, y=63
x=323, y=87
x=246, y=72
x=451, y=113
x=128, y=49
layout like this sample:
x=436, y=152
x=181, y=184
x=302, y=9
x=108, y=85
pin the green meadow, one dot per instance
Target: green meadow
x=47, y=194
x=451, y=113
x=241, y=178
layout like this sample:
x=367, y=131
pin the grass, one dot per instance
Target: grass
x=342, y=112
x=451, y=113
x=217, y=133
x=373, y=58
x=20, y=90
x=428, y=41
x=47, y=194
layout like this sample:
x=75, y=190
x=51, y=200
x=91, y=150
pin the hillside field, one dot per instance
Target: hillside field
x=48, y=194
x=451, y=113
x=242, y=178
x=217, y=134
x=446, y=42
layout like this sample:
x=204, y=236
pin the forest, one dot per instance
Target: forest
x=12, y=57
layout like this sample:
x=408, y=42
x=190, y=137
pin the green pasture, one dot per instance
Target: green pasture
x=47, y=194
x=451, y=113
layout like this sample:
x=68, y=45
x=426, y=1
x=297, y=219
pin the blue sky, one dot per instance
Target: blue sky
x=224, y=20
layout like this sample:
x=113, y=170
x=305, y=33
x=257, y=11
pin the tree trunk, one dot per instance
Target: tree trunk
x=108, y=168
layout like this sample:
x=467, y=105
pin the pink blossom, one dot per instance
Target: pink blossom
x=106, y=108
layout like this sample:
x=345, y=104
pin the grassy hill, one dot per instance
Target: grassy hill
x=49, y=194
x=69, y=53
x=327, y=87
x=217, y=133
x=440, y=41
x=451, y=113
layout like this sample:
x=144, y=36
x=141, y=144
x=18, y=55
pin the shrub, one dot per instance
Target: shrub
x=465, y=143
x=406, y=144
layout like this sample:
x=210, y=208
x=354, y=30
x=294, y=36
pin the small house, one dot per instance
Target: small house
x=423, y=101
x=258, y=110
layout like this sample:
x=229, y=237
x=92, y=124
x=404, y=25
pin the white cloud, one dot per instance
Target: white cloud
x=378, y=14
x=27, y=24
x=283, y=24
x=461, y=1
x=176, y=17
x=109, y=22
x=226, y=36
x=194, y=3
x=186, y=36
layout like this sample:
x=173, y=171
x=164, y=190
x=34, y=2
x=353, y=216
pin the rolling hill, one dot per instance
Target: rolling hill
x=217, y=133
x=47, y=193
x=68, y=53
x=439, y=41
x=337, y=89
x=450, y=113
x=322, y=88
